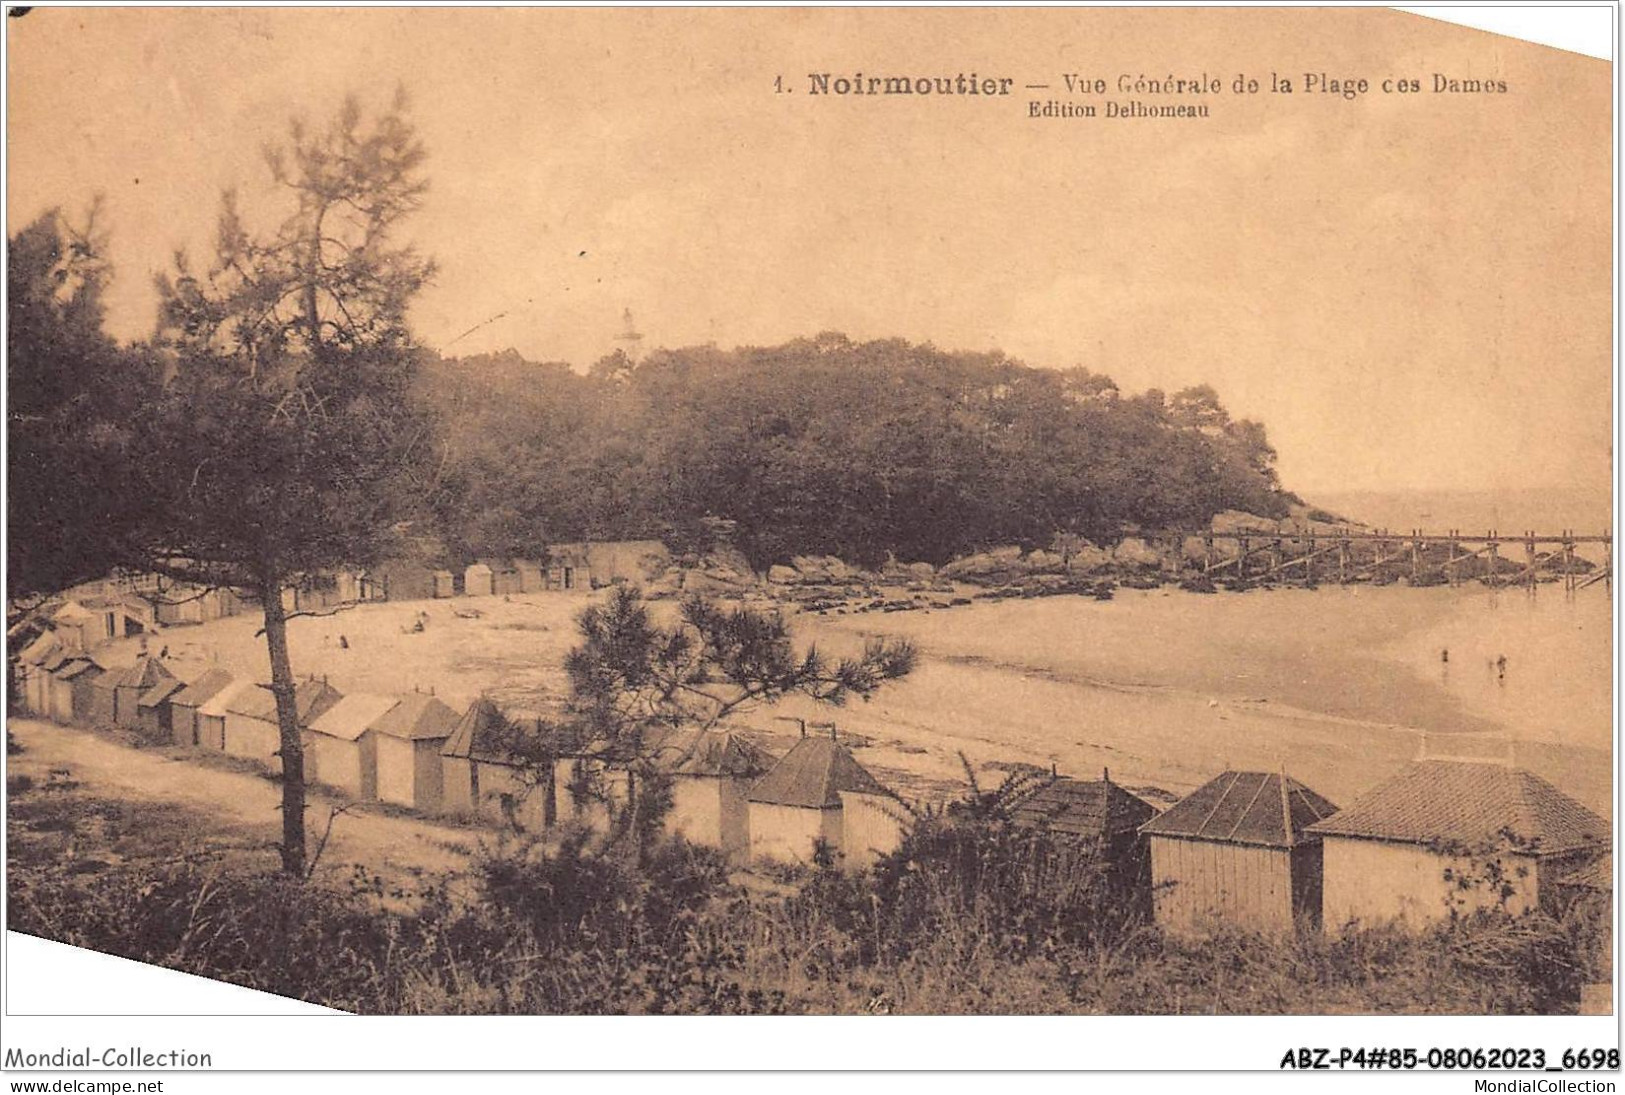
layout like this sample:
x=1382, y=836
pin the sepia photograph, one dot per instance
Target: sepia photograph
x=865, y=512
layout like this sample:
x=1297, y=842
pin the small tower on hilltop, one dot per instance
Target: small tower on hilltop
x=630, y=340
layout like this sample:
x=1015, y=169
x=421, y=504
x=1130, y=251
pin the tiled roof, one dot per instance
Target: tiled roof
x=1078, y=807
x=1470, y=802
x=77, y=667
x=1244, y=808
x=813, y=775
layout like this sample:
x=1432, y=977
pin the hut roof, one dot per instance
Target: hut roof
x=1470, y=802
x=710, y=753
x=160, y=692
x=203, y=689
x=312, y=699
x=418, y=717
x=813, y=775
x=55, y=660
x=226, y=699
x=76, y=668
x=40, y=649
x=1091, y=808
x=1598, y=874
x=1244, y=808
x=146, y=672
x=352, y=716
x=470, y=738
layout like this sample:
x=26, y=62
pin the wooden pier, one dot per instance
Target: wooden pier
x=1383, y=556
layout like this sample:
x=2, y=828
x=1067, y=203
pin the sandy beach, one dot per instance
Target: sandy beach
x=1340, y=686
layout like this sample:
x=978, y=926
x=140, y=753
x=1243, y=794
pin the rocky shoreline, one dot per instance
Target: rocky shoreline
x=1198, y=561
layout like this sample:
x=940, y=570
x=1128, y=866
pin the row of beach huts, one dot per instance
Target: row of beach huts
x=1256, y=849
x=116, y=608
x=415, y=751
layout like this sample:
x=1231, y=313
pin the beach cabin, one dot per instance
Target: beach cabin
x=403, y=580
x=445, y=585
x=630, y=561
x=567, y=567
x=133, y=683
x=409, y=739
x=711, y=774
x=504, y=577
x=252, y=729
x=342, y=753
x=477, y=580
x=79, y=627
x=1237, y=850
x=798, y=803
x=81, y=675
x=65, y=687
x=212, y=713
x=531, y=575
x=185, y=705
x=154, y=715
x=1096, y=816
x=32, y=694
x=481, y=777
x=1448, y=836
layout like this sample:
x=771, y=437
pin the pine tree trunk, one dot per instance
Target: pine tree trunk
x=287, y=717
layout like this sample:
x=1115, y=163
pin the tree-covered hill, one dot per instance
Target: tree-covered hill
x=829, y=446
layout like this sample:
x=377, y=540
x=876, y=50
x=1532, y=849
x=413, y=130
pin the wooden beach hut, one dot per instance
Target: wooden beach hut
x=212, y=713
x=342, y=752
x=133, y=683
x=504, y=577
x=409, y=738
x=711, y=774
x=184, y=705
x=798, y=803
x=82, y=676
x=477, y=580
x=65, y=690
x=1448, y=836
x=33, y=693
x=252, y=729
x=154, y=713
x=1237, y=850
x=481, y=777
x=1098, y=817
x=531, y=575
x=403, y=580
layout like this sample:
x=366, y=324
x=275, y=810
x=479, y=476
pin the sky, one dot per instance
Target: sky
x=1410, y=291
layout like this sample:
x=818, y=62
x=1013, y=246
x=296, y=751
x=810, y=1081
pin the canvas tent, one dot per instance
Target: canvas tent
x=1236, y=850
x=799, y=802
x=1448, y=836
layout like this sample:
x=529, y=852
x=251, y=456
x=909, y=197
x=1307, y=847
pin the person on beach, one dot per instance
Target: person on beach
x=1501, y=668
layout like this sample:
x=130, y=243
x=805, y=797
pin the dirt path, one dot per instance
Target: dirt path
x=394, y=847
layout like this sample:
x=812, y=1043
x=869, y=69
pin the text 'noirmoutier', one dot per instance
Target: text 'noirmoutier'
x=1202, y=86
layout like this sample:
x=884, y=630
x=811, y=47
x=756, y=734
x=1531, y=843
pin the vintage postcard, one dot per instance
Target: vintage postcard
x=867, y=512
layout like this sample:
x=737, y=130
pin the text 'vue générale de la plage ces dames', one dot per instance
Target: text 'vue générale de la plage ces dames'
x=1130, y=94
